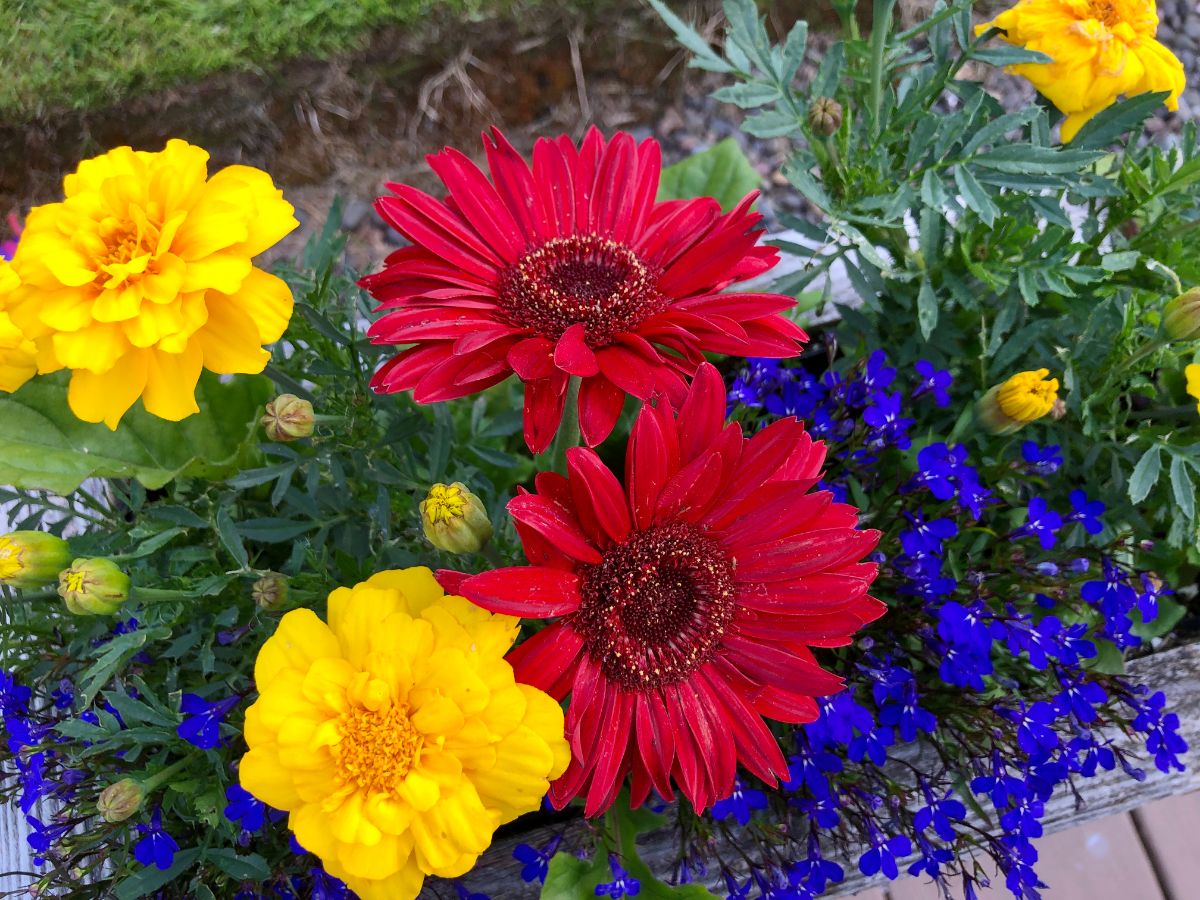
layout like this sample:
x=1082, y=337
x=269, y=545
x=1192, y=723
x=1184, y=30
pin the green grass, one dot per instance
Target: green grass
x=83, y=54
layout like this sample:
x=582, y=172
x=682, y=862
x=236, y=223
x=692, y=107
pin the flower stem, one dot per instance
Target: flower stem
x=555, y=460
x=143, y=593
x=158, y=778
x=881, y=25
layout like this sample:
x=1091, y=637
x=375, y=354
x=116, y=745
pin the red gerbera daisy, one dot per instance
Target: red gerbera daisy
x=687, y=600
x=568, y=269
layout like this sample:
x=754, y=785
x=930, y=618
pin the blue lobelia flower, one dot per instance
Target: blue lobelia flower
x=1035, y=726
x=1162, y=737
x=940, y=814
x=1079, y=697
x=326, y=887
x=1086, y=512
x=42, y=837
x=156, y=847
x=622, y=885
x=814, y=871
x=201, y=726
x=535, y=863
x=883, y=854
x=465, y=893
x=1042, y=522
x=740, y=804
x=244, y=808
x=933, y=381
x=1041, y=460
x=1152, y=591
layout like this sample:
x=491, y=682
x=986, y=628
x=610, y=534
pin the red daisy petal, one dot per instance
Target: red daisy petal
x=523, y=591
x=593, y=486
x=557, y=526
x=546, y=660
x=577, y=252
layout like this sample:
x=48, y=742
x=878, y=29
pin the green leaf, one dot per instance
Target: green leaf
x=1169, y=614
x=115, y=653
x=43, y=445
x=250, y=867
x=927, y=309
x=1120, y=261
x=747, y=95
x=1107, y=126
x=1145, y=474
x=571, y=878
x=230, y=538
x=975, y=196
x=1182, y=487
x=722, y=172
x=688, y=36
x=631, y=823
x=150, y=879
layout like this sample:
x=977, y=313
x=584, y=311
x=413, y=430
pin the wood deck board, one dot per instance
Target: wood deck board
x=1169, y=829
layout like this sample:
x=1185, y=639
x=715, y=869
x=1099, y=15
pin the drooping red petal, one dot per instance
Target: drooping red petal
x=528, y=591
x=594, y=486
x=546, y=659
x=806, y=554
x=544, y=401
x=600, y=405
x=573, y=355
x=757, y=748
x=767, y=664
x=610, y=750
x=555, y=524
x=532, y=359
x=656, y=740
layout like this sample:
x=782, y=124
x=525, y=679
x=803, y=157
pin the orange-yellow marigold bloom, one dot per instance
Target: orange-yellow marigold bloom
x=18, y=362
x=396, y=735
x=142, y=276
x=1023, y=398
x=1192, y=373
x=1100, y=49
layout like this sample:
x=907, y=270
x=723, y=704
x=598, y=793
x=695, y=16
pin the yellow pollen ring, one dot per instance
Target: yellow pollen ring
x=377, y=747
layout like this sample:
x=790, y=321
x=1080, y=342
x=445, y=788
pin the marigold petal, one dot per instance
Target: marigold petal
x=170, y=391
x=107, y=397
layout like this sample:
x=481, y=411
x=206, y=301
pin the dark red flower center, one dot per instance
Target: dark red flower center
x=580, y=279
x=657, y=607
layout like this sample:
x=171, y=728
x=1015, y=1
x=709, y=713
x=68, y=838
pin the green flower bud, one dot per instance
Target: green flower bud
x=1181, y=318
x=93, y=587
x=288, y=418
x=825, y=116
x=454, y=519
x=270, y=591
x=120, y=800
x=31, y=559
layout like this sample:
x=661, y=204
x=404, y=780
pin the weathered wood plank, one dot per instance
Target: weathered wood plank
x=1169, y=828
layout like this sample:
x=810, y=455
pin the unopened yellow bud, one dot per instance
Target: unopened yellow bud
x=93, y=587
x=1181, y=318
x=1023, y=398
x=288, y=418
x=454, y=519
x=270, y=591
x=120, y=800
x=31, y=559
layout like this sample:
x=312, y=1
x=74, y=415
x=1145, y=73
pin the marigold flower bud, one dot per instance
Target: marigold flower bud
x=31, y=559
x=93, y=587
x=120, y=800
x=454, y=519
x=270, y=591
x=825, y=116
x=1181, y=318
x=288, y=418
x=1023, y=398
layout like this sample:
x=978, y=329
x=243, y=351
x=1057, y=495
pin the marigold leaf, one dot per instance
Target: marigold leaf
x=722, y=172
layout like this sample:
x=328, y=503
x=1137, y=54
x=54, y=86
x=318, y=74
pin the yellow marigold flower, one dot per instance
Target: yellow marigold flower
x=142, y=276
x=1192, y=373
x=395, y=735
x=18, y=362
x=32, y=559
x=1023, y=398
x=1100, y=49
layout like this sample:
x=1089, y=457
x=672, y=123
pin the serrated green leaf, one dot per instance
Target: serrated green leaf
x=722, y=172
x=1109, y=124
x=43, y=445
x=1145, y=474
x=150, y=879
x=230, y=539
x=771, y=123
x=686, y=35
x=1120, y=261
x=747, y=95
x=927, y=309
x=975, y=197
x=793, y=51
x=1182, y=487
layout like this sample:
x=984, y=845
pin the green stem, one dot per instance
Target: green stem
x=144, y=593
x=155, y=780
x=881, y=24
x=555, y=459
